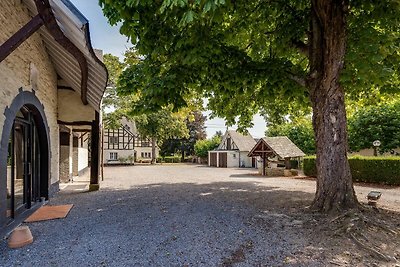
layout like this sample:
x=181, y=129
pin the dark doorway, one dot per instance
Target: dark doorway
x=24, y=164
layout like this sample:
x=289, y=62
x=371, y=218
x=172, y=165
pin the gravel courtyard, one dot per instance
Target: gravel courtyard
x=187, y=215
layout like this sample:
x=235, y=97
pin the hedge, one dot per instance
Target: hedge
x=383, y=170
x=172, y=159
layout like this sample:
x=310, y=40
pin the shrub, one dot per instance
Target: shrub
x=123, y=159
x=172, y=159
x=383, y=170
x=202, y=147
x=309, y=166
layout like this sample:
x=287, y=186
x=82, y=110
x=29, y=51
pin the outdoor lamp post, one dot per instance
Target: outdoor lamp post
x=376, y=144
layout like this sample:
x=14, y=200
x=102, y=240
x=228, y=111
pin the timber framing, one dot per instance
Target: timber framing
x=45, y=11
x=47, y=18
x=20, y=36
x=75, y=123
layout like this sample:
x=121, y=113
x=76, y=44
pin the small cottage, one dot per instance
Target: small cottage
x=233, y=151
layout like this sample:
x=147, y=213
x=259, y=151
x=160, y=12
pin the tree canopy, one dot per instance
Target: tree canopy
x=185, y=145
x=248, y=56
x=159, y=125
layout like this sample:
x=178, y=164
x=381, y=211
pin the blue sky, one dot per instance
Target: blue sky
x=109, y=39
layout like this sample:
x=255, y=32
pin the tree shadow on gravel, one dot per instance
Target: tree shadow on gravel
x=187, y=224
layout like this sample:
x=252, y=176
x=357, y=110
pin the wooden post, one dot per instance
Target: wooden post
x=94, y=153
x=287, y=163
x=263, y=165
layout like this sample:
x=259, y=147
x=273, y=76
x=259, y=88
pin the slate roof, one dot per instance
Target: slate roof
x=283, y=147
x=243, y=142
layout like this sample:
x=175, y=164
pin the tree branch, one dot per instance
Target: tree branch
x=299, y=80
x=301, y=46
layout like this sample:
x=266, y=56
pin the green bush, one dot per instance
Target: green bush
x=383, y=170
x=309, y=166
x=202, y=147
x=160, y=160
x=172, y=159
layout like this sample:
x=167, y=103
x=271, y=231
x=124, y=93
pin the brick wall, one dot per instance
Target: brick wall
x=15, y=73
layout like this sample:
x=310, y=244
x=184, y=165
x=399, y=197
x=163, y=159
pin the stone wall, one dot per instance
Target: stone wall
x=15, y=74
x=65, y=174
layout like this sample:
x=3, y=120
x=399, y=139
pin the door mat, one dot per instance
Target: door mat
x=49, y=213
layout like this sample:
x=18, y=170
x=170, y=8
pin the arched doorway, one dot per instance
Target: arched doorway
x=24, y=156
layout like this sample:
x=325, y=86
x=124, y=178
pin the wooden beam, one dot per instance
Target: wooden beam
x=264, y=164
x=20, y=36
x=63, y=87
x=75, y=123
x=45, y=11
x=95, y=151
x=81, y=130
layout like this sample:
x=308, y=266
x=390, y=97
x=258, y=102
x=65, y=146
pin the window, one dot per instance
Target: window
x=113, y=140
x=113, y=156
x=149, y=155
x=142, y=155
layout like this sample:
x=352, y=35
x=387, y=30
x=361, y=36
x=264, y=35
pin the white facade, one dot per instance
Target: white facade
x=233, y=152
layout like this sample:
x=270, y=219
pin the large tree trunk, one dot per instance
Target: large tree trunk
x=153, y=150
x=335, y=190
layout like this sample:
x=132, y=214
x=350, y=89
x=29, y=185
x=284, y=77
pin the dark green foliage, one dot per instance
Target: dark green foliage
x=309, y=166
x=375, y=123
x=299, y=132
x=382, y=170
x=195, y=125
x=172, y=159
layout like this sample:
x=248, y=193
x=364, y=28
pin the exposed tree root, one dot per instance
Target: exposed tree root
x=368, y=231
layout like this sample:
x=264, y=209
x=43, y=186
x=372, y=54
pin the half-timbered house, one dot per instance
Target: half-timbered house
x=125, y=145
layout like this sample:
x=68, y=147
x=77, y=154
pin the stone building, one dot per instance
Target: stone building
x=52, y=83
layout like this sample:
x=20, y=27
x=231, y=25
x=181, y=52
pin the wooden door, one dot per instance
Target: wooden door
x=223, y=160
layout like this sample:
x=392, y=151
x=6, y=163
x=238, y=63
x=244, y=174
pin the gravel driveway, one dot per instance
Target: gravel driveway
x=176, y=215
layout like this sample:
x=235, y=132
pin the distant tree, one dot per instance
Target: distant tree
x=195, y=124
x=300, y=133
x=160, y=126
x=219, y=133
x=375, y=123
x=202, y=147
